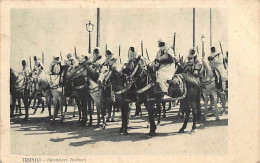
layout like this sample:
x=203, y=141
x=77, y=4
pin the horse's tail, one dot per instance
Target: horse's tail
x=198, y=105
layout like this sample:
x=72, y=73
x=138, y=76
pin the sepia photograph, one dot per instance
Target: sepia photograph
x=117, y=81
x=91, y=77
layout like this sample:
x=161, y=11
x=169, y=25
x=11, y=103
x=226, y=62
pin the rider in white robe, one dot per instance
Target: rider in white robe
x=216, y=62
x=166, y=68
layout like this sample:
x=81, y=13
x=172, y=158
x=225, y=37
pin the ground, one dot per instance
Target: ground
x=38, y=137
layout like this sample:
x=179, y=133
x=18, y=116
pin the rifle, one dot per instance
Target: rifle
x=202, y=41
x=147, y=55
x=224, y=63
x=60, y=56
x=75, y=53
x=173, y=46
x=43, y=57
x=142, y=49
x=30, y=63
x=119, y=53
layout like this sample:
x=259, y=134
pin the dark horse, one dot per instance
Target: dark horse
x=84, y=79
x=145, y=82
x=18, y=89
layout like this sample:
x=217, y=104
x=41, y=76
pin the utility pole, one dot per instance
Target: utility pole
x=210, y=17
x=98, y=27
x=193, y=27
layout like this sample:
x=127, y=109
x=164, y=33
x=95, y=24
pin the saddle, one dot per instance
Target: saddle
x=218, y=80
x=176, y=86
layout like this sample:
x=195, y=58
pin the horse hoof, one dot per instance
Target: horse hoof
x=113, y=120
x=192, y=131
x=151, y=134
x=120, y=130
x=125, y=133
x=108, y=120
x=41, y=112
x=148, y=126
x=34, y=113
x=217, y=119
x=181, y=131
x=104, y=126
x=89, y=124
x=25, y=119
x=164, y=116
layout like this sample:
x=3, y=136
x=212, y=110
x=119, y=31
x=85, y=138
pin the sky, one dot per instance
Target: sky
x=34, y=31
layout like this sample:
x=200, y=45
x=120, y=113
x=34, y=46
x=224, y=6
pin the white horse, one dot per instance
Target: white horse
x=209, y=89
x=90, y=76
x=50, y=85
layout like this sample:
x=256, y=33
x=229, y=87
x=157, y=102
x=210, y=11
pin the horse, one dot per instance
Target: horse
x=19, y=90
x=113, y=75
x=209, y=89
x=85, y=79
x=145, y=81
x=50, y=85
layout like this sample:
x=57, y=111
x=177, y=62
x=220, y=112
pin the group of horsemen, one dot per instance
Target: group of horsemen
x=163, y=64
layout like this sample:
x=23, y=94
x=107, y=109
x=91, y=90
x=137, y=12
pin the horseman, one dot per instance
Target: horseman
x=26, y=73
x=53, y=66
x=71, y=61
x=216, y=63
x=110, y=59
x=193, y=64
x=164, y=66
x=38, y=65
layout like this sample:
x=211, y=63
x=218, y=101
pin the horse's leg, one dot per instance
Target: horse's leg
x=20, y=106
x=149, y=107
x=170, y=106
x=66, y=105
x=48, y=102
x=106, y=104
x=159, y=106
x=211, y=102
x=114, y=111
x=124, y=111
x=187, y=111
x=62, y=100
x=74, y=106
x=223, y=99
x=215, y=105
x=42, y=102
x=164, y=109
x=103, y=112
x=13, y=100
x=55, y=110
x=90, y=112
x=26, y=107
x=205, y=106
x=194, y=112
x=79, y=107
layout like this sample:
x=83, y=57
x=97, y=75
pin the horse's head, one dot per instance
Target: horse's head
x=76, y=71
x=105, y=74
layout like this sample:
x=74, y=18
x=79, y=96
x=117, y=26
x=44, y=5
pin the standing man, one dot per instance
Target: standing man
x=216, y=63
